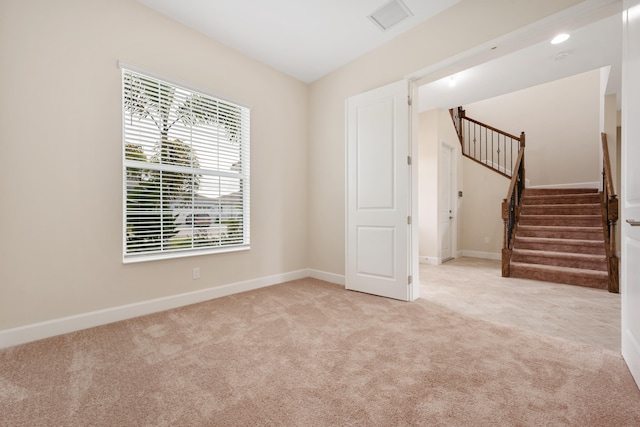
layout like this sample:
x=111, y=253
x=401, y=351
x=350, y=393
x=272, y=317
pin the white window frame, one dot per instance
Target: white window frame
x=184, y=212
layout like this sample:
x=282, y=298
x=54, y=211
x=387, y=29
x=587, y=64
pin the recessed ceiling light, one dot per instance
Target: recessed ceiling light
x=560, y=38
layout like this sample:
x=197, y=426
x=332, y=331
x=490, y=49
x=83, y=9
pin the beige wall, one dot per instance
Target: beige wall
x=478, y=217
x=60, y=162
x=428, y=185
x=484, y=191
x=435, y=129
x=61, y=167
x=561, y=120
x=462, y=27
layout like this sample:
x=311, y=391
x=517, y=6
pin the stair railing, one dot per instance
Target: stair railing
x=486, y=145
x=511, y=206
x=610, y=217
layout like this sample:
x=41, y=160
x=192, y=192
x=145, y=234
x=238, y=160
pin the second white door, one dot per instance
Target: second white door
x=445, y=203
x=378, y=253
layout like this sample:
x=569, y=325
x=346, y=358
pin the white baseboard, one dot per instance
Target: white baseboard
x=338, y=279
x=430, y=260
x=574, y=185
x=484, y=255
x=631, y=353
x=63, y=325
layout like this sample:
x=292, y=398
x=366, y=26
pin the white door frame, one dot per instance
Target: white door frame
x=630, y=200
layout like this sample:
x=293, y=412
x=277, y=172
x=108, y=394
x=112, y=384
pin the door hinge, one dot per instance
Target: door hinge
x=409, y=160
x=410, y=280
x=409, y=101
x=409, y=220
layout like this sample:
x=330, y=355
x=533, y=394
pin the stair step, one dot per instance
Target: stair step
x=560, y=238
x=562, y=209
x=562, y=199
x=582, y=246
x=560, y=259
x=564, y=220
x=584, y=233
x=566, y=275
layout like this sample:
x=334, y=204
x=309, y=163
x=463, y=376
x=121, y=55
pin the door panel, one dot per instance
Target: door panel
x=375, y=156
x=378, y=192
x=630, y=235
x=376, y=256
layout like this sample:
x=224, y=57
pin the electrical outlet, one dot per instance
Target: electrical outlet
x=486, y=240
x=196, y=272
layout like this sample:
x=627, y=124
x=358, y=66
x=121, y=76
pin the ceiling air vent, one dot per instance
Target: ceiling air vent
x=390, y=14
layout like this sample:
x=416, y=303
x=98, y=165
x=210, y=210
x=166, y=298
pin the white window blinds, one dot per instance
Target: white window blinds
x=186, y=167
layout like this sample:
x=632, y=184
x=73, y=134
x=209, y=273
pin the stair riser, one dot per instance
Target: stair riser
x=596, y=234
x=562, y=247
x=561, y=200
x=568, y=221
x=560, y=210
x=559, y=277
x=599, y=265
x=559, y=191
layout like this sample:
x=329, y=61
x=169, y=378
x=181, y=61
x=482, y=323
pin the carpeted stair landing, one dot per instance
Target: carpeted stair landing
x=560, y=238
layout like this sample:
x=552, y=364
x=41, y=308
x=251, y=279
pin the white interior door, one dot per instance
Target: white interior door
x=630, y=201
x=445, y=203
x=378, y=247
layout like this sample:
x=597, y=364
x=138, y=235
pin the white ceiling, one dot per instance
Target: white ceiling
x=590, y=47
x=306, y=39
x=311, y=38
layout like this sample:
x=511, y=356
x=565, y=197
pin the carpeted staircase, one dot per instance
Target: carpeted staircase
x=560, y=238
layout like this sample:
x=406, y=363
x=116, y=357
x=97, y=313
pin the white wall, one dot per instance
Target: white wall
x=61, y=157
x=561, y=120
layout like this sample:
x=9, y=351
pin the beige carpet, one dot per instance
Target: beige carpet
x=310, y=353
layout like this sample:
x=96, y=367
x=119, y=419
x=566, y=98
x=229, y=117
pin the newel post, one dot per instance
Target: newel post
x=522, y=145
x=612, y=219
x=461, y=116
x=506, y=253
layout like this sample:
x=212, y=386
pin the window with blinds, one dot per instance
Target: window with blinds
x=186, y=171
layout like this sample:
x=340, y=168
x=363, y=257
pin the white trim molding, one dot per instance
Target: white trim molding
x=338, y=279
x=64, y=325
x=573, y=185
x=430, y=260
x=484, y=255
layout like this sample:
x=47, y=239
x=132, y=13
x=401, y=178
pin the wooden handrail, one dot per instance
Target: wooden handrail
x=508, y=135
x=514, y=178
x=607, y=165
x=610, y=217
x=489, y=146
x=457, y=124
